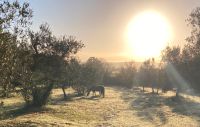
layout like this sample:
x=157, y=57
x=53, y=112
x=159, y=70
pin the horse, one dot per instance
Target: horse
x=98, y=88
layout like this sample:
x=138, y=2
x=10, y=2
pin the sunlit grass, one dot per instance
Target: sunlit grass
x=120, y=107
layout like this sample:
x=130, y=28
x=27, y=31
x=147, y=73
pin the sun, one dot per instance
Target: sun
x=148, y=33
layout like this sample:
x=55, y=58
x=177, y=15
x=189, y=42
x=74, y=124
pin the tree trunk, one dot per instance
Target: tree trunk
x=40, y=95
x=177, y=92
x=152, y=89
x=63, y=88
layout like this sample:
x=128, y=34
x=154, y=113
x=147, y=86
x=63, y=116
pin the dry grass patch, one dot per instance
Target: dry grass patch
x=121, y=107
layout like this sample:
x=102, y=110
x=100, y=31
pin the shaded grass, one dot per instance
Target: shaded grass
x=19, y=109
x=10, y=112
x=157, y=109
x=57, y=109
x=12, y=107
x=184, y=106
x=120, y=107
x=147, y=105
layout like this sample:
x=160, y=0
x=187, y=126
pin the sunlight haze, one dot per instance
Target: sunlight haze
x=100, y=63
x=102, y=25
x=148, y=29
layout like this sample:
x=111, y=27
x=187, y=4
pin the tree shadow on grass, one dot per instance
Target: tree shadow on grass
x=183, y=106
x=150, y=107
x=19, y=108
x=60, y=100
x=10, y=112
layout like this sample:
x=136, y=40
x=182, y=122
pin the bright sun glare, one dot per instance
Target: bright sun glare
x=148, y=33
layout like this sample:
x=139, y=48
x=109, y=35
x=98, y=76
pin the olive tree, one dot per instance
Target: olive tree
x=49, y=58
x=127, y=74
x=147, y=74
x=14, y=19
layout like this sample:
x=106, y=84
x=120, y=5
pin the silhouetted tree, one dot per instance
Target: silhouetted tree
x=92, y=73
x=172, y=58
x=37, y=65
x=191, y=51
x=127, y=74
x=14, y=19
x=147, y=74
x=72, y=75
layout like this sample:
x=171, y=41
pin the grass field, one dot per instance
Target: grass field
x=121, y=107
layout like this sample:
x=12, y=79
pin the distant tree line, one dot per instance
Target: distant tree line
x=179, y=67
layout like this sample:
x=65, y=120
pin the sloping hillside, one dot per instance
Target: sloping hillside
x=120, y=108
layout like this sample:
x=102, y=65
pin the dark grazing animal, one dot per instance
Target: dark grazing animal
x=99, y=88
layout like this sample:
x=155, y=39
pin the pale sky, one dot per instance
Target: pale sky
x=101, y=24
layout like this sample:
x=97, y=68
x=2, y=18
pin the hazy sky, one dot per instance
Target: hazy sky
x=101, y=24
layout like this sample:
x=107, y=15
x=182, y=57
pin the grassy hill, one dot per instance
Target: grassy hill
x=121, y=107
